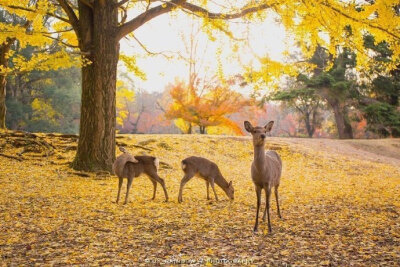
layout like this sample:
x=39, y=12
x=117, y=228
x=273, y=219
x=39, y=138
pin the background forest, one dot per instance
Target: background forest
x=326, y=103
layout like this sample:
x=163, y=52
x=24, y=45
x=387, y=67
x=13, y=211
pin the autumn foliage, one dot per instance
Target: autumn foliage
x=205, y=108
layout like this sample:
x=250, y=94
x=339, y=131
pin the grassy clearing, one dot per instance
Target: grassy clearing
x=336, y=210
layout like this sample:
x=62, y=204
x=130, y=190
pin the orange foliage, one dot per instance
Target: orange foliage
x=206, y=107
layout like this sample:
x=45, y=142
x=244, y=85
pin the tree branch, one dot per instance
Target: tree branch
x=162, y=53
x=48, y=13
x=60, y=41
x=66, y=30
x=362, y=22
x=138, y=21
x=71, y=15
x=205, y=13
x=121, y=3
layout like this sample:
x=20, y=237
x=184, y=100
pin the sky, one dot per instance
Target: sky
x=171, y=32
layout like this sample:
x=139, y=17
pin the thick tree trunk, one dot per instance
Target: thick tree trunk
x=96, y=147
x=342, y=124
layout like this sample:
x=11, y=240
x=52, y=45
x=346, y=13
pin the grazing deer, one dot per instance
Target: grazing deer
x=208, y=171
x=266, y=169
x=128, y=166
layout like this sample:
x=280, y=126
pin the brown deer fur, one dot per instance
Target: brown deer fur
x=126, y=167
x=208, y=171
x=266, y=169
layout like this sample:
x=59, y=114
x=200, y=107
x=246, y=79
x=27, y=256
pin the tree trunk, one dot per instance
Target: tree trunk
x=4, y=49
x=309, y=127
x=202, y=129
x=3, y=109
x=96, y=146
x=342, y=123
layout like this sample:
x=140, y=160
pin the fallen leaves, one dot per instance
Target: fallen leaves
x=336, y=210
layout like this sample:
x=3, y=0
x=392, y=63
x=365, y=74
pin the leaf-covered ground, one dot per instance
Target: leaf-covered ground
x=336, y=210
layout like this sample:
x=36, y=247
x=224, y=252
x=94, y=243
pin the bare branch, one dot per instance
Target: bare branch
x=60, y=41
x=160, y=107
x=138, y=21
x=48, y=13
x=205, y=13
x=121, y=3
x=163, y=53
x=66, y=30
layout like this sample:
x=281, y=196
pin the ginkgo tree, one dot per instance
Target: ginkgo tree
x=16, y=34
x=99, y=25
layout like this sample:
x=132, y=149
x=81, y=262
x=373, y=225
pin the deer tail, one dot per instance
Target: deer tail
x=183, y=164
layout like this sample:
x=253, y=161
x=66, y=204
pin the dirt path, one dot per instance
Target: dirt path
x=376, y=150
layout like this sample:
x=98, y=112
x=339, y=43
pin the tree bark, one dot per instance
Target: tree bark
x=96, y=147
x=342, y=122
x=309, y=127
x=3, y=82
x=4, y=49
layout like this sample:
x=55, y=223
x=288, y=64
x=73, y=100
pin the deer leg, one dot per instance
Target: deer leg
x=277, y=202
x=158, y=179
x=128, y=187
x=267, y=202
x=154, y=189
x=184, y=180
x=213, y=188
x=208, y=190
x=258, y=192
x=119, y=188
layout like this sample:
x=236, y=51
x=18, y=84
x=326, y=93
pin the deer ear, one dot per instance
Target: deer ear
x=248, y=126
x=230, y=184
x=269, y=125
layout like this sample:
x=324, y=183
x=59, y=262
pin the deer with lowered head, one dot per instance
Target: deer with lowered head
x=208, y=171
x=128, y=166
x=266, y=169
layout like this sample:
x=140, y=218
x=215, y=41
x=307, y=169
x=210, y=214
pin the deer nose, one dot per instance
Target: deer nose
x=262, y=136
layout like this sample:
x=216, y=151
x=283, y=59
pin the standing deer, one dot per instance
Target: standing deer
x=208, y=171
x=266, y=169
x=128, y=166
